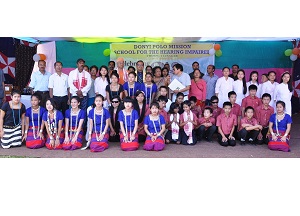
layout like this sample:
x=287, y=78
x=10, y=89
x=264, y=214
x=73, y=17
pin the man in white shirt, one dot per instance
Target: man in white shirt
x=183, y=78
x=59, y=88
x=39, y=82
x=80, y=83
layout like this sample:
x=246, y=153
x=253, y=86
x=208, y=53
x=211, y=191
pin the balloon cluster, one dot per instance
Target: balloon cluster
x=38, y=57
x=216, y=50
x=292, y=53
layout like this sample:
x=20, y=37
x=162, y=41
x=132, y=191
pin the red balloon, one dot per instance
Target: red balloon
x=217, y=46
x=296, y=51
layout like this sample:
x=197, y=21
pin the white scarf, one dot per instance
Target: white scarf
x=188, y=128
x=174, y=127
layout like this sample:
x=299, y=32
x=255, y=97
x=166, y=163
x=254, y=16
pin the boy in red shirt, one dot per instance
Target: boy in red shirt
x=263, y=114
x=226, y=123
x=251, y=100
x=249, y=128
x=214, y=100
x=207, y=125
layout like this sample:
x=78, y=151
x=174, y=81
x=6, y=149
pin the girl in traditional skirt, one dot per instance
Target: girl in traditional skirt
x=154, y=125
x=34, y=127
x=173, y=134
x=54, y=122
x=99, y=126
x=74, y=119
x=128, y=119
x=141, y=107
x=280, y=127
x=12, y=121
x=188, y=121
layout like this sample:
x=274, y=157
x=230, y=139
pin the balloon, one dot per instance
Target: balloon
x=211, y=51
x=113, y=55
x=293, y=57
x=106, y=52
x=217, y=46
x=219, y=53
x=288, y=52
x=42, y=56
x=36, y=57
x=296, y=51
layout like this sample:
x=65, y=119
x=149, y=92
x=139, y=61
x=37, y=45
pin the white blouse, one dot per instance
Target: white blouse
x=100, y=86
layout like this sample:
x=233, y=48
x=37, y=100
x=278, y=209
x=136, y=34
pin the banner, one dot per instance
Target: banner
x=157, y=54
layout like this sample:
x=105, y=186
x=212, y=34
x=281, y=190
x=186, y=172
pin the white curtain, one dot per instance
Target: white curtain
x=48, y=49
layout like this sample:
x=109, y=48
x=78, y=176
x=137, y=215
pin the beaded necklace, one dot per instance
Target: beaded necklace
x=101, y=123
x=71, y=123
x=125, y=121
x=129, y=89
x=14, y=113
x=35, y=133
x=146, y=90
x=154, y=124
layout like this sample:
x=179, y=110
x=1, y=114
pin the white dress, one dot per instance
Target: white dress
x=223, y=86
x=258, y=88
x=268, y=87
x=238, y=89
x=282, y=93
x=100, y=86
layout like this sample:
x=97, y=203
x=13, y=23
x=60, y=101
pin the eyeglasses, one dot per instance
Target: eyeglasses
x=115, y=101
x=214, y=102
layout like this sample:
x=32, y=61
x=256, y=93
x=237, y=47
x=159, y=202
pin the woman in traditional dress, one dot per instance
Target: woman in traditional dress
x=12, y=121
x=34, y=127
x=99, y=126
x=279, y=128
x=154, y=125
x=54, y=121
x=141, y=107
x=149, y=88
x=128, y=119
x=74, y=119
x=131, y=87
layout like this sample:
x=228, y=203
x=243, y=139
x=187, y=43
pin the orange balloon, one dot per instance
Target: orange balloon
x=42, y=56
x=296, y=51
x=217, y=46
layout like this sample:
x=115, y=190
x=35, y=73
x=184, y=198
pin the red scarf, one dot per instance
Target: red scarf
x=83, y=81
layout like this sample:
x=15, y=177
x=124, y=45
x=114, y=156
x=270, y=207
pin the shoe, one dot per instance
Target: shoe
x=243, y=142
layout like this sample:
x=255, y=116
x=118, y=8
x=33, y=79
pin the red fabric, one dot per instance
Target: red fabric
x=251, y=101
x=83, y=82
x=226, y=122
x=216, y=112
x=263, y=115
x=236, y=110
x=245, y=120
x=129, y=146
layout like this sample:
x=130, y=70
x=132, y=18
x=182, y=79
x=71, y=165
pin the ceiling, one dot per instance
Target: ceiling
x=152, y=39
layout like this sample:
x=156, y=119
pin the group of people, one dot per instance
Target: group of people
x=133, y=106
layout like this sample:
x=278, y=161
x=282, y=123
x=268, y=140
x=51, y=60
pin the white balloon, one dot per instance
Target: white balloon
x=293, y=57
x=36, y=57
x=212, y=51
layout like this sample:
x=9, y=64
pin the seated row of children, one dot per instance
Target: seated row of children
x=140, y=123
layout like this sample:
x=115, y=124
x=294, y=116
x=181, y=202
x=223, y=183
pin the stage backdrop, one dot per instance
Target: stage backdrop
x=157, y=54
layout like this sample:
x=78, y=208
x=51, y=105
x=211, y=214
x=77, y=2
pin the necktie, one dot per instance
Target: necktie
x=140, y=77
